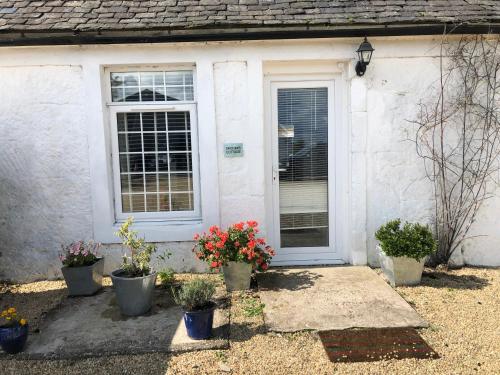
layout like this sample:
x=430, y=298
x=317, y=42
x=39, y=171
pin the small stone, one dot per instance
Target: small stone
x=224, y=368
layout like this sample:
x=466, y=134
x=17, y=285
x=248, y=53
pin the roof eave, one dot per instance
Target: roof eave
x=69, y=37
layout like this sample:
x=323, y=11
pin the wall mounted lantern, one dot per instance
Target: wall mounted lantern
x=364, y=51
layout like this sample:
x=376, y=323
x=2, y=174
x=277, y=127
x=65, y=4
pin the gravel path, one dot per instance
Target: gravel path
x=462, y=306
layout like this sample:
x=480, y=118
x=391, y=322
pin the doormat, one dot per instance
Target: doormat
x=375, y=344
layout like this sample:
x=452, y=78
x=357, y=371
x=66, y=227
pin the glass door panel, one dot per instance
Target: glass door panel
x=303, y=166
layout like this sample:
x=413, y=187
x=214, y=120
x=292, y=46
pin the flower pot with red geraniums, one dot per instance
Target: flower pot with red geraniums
x=134, y=282
x=82, y=268
x=13, y=331
x=237, y=250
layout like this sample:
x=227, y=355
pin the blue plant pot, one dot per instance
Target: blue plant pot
x=199, y=323
x=13, y=339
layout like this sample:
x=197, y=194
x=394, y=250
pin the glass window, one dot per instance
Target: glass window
x=152, y=86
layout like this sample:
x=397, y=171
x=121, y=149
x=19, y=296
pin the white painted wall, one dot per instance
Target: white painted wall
x=53, y=145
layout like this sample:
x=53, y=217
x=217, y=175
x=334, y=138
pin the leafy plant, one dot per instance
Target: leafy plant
x=195, y=295
x=79, y=254
x=166, y=276
x=252, y=306
x=9, y=318
x=413, y=240
x=138, y=264
x=239, y=243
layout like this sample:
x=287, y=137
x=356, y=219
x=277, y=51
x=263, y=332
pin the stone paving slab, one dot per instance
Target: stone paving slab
x=329, y=298
x=93, y=326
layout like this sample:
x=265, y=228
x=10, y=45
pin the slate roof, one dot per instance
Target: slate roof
x=189, y=17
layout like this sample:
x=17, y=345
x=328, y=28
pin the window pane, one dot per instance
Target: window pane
x=181, y=182
x=133, y=122
x=137, y=203
x=152, y=202
x=175, y=93
x=117, y=94
x=162, y=141
x=134, y=143
x=160, y=121
x=163, y=162
x=178, y=162
x=147, y=94
x=150, y=162
x=164, y=202
x=163, y=182
x=125, y=183
x=146, y=78
x=151, y=183
x=116, y=79
x=178, y=121
x=152, y=86
x=155, y=162
x=137, y=183
x=126, y=203
x=177, y=141
x=182, y=202
x=149, y=142
x=148, y=121
x=132, y=94
x=159, y=94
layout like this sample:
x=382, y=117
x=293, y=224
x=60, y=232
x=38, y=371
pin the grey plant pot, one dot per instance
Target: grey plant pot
x=401, y=270
x=84, y=281
x=237, y=276
x=134, y=294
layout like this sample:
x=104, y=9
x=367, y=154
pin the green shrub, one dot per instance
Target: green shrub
x=166, y=276
x=195, y=295
x=413, y=240
x=137, y=265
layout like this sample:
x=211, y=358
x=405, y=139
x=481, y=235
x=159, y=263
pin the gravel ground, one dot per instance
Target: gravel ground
x=462, y=306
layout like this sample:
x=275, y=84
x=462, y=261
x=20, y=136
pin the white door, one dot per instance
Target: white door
x=303, y=172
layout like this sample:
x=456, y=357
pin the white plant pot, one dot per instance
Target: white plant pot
x=401, y=270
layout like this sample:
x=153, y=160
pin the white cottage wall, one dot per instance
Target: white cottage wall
x=53, y=165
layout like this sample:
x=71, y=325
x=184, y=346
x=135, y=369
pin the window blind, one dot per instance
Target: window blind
x=303, y=166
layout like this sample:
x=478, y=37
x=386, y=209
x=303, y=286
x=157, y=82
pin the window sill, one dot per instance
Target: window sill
x=156, y=231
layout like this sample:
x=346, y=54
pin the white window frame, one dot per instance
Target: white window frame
x=163, y=215
x=153, y=106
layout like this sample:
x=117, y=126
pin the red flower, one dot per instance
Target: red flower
x=251, y=244
x=219, y=245
x=261, y=241
x=213, y=228
x=252, y=223
x=209, y=246
x=196, y=237
x=217, y=254
x=264, y=266
x=237, y=244
x=239, y=226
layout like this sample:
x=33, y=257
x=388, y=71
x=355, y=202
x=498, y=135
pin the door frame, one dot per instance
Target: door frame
x=338, y=170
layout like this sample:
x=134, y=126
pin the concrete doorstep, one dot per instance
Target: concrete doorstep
x=93, y=326
x=330, y=298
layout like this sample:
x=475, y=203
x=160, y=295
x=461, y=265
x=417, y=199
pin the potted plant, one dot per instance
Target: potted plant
x=82, y=268
x=195, y=297
x=237, y=250
x=13, y=331
x=134, y=282
x=403, y=251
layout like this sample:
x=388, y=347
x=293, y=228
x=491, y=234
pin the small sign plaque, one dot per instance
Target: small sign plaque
x=233, y=150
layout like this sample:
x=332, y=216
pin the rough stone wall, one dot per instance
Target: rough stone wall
x=44, y=169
